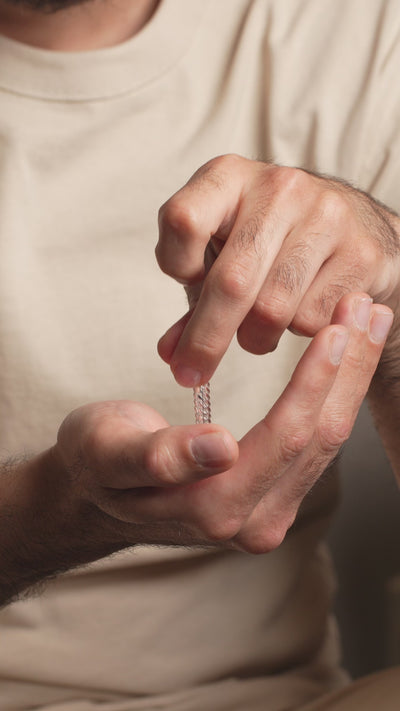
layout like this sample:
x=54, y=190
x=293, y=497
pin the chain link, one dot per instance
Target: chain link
x=202, y=404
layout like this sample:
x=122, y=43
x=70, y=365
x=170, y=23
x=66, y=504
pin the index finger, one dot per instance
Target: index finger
x=204, y=207
x=228, y=294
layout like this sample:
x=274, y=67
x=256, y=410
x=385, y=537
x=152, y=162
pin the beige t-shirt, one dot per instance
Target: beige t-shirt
x=91, y=144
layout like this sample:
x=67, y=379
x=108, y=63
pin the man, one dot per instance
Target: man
x=92, y=143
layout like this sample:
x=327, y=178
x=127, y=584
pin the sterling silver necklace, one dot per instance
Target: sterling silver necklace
x=202, y=404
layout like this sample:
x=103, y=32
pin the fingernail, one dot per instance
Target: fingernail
x=210, y=450
x=338, y=344
x=187, y=377
x=379, y=326
x=362, y=311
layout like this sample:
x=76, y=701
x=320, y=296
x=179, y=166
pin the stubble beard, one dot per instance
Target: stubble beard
x=44, y=6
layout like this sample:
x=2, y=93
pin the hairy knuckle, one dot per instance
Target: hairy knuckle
x=329, y=297
x=216, y=171
x=210, y=174
x=289, y=276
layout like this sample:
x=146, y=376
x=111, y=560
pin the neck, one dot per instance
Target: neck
x=89, y=25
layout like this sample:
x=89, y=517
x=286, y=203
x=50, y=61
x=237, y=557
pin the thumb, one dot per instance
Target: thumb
x=175, y=456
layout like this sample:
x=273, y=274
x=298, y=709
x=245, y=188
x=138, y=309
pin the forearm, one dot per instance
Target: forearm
x=45, y=527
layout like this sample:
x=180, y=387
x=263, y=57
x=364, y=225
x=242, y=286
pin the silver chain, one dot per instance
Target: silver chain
x=202, y=404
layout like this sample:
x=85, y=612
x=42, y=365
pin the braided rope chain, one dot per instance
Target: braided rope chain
x=202, y=404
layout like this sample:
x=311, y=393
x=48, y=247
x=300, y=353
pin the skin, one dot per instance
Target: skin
x=118, y=474
x=293, y=243
x=74, y=25
x=286, y=245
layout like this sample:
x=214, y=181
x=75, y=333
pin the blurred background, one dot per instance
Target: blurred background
x=365, y=544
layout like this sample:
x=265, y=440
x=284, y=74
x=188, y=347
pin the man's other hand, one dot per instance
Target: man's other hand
x=286, y=245
x=192, y=485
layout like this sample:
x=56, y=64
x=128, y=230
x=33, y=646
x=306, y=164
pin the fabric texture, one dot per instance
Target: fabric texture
x=91, y=144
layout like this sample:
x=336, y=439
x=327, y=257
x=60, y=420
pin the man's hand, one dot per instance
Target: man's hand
x=120, y=476
x=287, y=245
x=191, y=485
x=117, y=455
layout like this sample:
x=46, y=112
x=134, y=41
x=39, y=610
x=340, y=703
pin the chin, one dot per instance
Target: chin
x=45, y=6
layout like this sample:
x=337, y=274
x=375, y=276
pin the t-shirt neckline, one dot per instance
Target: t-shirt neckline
x=103, y=73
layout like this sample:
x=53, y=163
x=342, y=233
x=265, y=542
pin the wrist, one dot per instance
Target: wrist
x=46, y=526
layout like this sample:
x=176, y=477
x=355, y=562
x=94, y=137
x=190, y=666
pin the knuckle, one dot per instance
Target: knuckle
x=293, y=445
x=93, y=442
x=329, y=297
x=368, y=258
x=75, y=423
x=276, y=310
x=180, y=216
x=332, y=206
x=161, y=463
x=249, y=238
x=331, y=436
x=290, y=275
x=354, y=362
x=220, y=528
x=207, y=349
x=307, y=322
x=232, y=282
x=215, y=172
x=286, y=183
x=90, y=431
x=264, y=540
x=291, y=180
x=227, y=162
